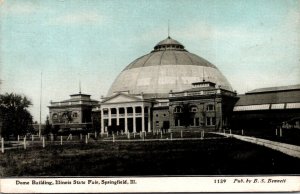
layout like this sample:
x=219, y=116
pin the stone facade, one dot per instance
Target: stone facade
x=74, y=113
x=203, y=107
x=161, y=118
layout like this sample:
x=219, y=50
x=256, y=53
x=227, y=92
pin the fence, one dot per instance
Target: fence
x=25, y=142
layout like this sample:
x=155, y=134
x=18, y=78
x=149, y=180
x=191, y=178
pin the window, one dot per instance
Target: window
x=105, y=111
x=113, y=111
x=197, y=121
x=54, y=116
x=210, y=121
x=157, y=123
x=177, y=109
x=75, y=114
x=193, y=109
x=156, y=115
x=165, y=115
x=177, y=122
x=210, y=107
x=252, y=107
x=138, y=109
x=192, y=122
x=129, y=110
x=121, y=110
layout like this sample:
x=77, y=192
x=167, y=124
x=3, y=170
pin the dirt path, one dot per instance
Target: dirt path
x=289, y=149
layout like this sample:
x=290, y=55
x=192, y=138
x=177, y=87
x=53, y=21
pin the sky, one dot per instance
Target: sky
x=254, y=43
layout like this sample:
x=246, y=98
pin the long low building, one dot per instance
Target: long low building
x=268, y=107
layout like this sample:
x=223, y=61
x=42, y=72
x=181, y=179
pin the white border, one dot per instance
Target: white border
x=153, y=184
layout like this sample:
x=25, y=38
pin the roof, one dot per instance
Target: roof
x=275, y=89
x=76, y=98
x=133, y=97
x=169, y=57
x=166, y=68
x=200, y=89
x=269, y=98
x=80, y=94
x=169, y=43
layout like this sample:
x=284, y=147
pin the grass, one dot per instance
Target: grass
x=224, y=156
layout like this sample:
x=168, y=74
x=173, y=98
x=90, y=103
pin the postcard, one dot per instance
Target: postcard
x=120, y=96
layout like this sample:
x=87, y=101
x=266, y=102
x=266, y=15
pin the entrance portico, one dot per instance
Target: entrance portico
x=126, y=112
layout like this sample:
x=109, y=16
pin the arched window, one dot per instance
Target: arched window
x=193, y=108
x=54, y=116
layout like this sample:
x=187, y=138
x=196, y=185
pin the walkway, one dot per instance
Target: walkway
x=285, y=148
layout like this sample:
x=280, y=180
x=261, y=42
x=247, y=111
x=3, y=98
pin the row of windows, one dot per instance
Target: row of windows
x=266, y=107
x=210, y=121
x=55, y=115
x=179, y=109
x=138, y=109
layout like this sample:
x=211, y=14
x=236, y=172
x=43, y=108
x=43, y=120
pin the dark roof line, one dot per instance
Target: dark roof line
x=274, y=89
x=80, y=94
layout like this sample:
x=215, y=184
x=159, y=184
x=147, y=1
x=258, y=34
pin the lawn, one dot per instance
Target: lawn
x=225, y=156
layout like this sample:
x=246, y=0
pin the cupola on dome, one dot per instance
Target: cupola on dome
x=169, y=44
x=169, y=66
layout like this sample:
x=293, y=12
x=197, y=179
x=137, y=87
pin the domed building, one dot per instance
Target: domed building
x=144, y=95
x=175, y=90
x=168, y=67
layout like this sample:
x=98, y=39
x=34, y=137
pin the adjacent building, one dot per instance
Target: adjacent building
x=268, y=107
x=72, y=114
x=204, y=106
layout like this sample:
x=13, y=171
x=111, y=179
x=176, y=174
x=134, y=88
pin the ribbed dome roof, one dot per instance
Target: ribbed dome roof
x=168, y=67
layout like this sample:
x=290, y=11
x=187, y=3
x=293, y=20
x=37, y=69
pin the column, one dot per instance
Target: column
x=149, y=120
x=126, y=125
x=109, y=117
x=143, y=119
x=118, y=119
x=134, y=121
x=102, y=121
x=221, y=117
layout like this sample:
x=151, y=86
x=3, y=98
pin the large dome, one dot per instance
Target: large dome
x=168, y=67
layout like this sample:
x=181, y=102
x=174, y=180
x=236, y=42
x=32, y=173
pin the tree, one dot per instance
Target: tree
x=16, y=119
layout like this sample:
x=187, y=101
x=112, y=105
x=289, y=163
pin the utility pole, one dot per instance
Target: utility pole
x=40, y=125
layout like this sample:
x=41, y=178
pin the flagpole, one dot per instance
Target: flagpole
x=40, y=126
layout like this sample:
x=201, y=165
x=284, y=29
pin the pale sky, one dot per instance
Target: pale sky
x=254, y=43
